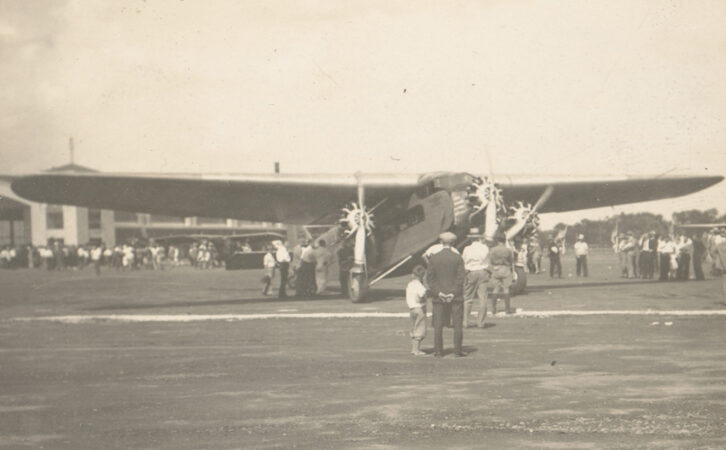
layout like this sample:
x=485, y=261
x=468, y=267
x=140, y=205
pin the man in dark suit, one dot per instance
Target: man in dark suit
x=445, y=277
x=699, y=254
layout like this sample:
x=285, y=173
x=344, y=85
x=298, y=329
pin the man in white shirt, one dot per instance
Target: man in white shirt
x=96, y=255
x=305, y=282
x=476, y=265
x=666, y=248
x=581, y=252
x=282, y=256
x=270, y=264
x=416, y=302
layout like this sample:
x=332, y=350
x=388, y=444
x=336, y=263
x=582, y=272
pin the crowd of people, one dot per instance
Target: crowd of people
x=310, y=262
x=484, y=272
x=133, y=255
x=57, y=256
x=667, y=257
x=452, y=280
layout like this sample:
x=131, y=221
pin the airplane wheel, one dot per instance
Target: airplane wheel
x=521, y=283
x=357, y=285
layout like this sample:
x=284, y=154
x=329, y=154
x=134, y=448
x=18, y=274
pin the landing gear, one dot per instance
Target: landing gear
x=357, y=286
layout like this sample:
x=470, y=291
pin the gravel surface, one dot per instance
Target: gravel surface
x=595, y=381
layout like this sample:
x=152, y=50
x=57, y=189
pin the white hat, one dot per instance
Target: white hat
x=474, y=232
x=447, y=237
x=580, y=236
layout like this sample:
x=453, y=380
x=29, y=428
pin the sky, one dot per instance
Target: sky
x=545, y=87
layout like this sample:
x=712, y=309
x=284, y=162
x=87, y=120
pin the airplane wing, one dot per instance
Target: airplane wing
x=572, y=193
x=292, y=199
x=303, y=199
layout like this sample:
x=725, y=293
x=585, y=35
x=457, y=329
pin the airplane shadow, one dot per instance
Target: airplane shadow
x=374, y=295
x=450, y=351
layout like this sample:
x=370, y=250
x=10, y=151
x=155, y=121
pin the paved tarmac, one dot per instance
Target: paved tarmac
x=644, y=368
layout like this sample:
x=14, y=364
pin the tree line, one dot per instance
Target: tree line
x=599, y=232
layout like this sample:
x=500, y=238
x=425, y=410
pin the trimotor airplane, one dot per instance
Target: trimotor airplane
x=410, y=210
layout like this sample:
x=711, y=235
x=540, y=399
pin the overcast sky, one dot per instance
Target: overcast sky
x=550, y=87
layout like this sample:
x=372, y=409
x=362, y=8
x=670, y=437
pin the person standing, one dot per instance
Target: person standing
x=647, y=248
x=322, y=263
x=537, y=253
x=305, y=284
x=719, y=243
x=58, y=256
x=501, y=262
x=269, y=263
x=476, y=265
x=345, y=263
x=684, y=248
x=445, y=278
x=96, y=255
x=282, y=257
x=555, y=265
x=699, y=255
x=581, y=252
x=666, y=250
x=630, y=246
x=416, y=302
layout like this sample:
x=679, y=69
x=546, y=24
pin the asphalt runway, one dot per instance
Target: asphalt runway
x=199, y=359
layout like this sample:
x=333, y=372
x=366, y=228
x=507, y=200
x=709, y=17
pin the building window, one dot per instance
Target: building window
x=94, y=219
x=158, y=218
x=54, y=217
x=124, y=216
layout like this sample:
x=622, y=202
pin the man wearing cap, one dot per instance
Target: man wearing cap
x=445, y=277
x=581, y=251
x=476, y=265
x=501, y=263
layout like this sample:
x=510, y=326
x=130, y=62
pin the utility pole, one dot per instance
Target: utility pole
x=70, y=147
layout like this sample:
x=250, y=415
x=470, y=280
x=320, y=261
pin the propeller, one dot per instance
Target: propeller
x=360, y=223
x=496, y=202
x=529, y=214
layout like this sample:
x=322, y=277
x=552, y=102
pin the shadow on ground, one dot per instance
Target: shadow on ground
x=374, y=295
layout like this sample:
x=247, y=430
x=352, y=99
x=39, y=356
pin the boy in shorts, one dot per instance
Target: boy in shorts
x=416, y=301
